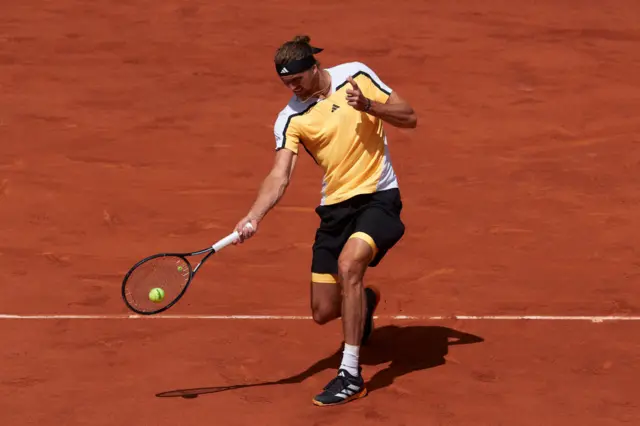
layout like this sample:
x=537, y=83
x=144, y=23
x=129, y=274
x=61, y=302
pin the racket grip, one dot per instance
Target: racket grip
x=228, y=239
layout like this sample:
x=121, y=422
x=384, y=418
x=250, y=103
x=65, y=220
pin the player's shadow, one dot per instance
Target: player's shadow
x=406, y=349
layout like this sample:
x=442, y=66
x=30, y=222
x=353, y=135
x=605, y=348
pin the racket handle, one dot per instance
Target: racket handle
x=228, y=239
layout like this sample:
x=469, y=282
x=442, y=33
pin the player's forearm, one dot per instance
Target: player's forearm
x=272, y=189
x=396, y=114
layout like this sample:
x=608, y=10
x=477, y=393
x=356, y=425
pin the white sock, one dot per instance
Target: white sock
x=350, y=362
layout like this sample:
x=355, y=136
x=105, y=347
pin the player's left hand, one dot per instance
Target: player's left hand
x=355, y=98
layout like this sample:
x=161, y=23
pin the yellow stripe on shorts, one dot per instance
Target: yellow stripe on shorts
x=324, y=278
x=367, y=239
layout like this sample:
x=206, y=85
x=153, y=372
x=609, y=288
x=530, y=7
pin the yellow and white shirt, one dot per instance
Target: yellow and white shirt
x=349, y=145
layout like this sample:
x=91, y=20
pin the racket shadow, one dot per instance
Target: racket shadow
x=405, y=349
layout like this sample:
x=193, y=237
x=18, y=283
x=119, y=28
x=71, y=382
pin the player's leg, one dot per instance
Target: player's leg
x=326, y=302
x=326, y=298
x=352, y=265
x=349, y=384
x=336, y=224
x=381, y=227
x=326, y=288
x=377, y=229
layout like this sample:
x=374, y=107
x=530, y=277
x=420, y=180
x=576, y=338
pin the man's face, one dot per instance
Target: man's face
x=301, y=84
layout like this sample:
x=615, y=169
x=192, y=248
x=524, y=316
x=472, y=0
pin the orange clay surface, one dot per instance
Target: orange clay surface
x=133, y=127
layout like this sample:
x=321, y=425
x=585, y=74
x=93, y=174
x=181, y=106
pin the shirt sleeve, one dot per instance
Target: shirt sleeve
x=374, y=88
x=286, y=133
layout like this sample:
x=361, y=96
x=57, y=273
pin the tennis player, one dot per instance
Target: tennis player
x=336, y=114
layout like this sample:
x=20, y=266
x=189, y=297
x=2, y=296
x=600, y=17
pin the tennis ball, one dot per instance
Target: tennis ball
x=156, y=295
x=179, y=268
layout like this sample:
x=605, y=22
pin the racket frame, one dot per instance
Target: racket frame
x=219, y=245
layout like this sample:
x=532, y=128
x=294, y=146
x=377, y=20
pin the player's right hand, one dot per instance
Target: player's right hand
x=247, y=227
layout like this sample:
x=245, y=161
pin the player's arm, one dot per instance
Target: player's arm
x=274, y=185
x=271, y=191
x=395, y=111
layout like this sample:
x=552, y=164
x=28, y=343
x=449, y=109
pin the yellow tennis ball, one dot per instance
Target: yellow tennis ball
x=156, y=295
x=179, y=268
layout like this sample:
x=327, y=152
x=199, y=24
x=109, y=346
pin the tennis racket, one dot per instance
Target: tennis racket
x=170, y=272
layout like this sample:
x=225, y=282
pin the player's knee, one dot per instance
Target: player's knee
x=353, y=262
x=350, y=271
x=323, y=313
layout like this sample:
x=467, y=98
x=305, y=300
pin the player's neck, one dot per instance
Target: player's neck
x=322, y=90
x=324, y=84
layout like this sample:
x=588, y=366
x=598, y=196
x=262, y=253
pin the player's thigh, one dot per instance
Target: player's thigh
x=325, y=287
x=380, y=224
x=326, y=295
x=356, y=254
x=329, y=241
x=337, y=223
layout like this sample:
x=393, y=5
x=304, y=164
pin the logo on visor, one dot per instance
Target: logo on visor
x=284, y=70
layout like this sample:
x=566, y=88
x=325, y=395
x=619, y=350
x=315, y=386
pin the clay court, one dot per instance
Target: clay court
x=130, y=128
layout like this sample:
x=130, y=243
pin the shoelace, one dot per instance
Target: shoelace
x=337, y=384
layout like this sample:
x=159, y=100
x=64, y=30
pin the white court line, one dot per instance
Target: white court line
x=590, y=318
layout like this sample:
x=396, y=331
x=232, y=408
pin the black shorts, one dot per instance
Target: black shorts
x=375, y=218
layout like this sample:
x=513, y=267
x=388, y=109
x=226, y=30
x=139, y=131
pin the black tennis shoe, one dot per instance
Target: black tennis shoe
x=342, y=389
x=373, y=298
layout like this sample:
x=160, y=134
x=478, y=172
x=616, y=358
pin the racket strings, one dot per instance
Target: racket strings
x=169, y=273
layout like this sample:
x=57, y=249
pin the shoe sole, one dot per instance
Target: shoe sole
x=358, y=395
